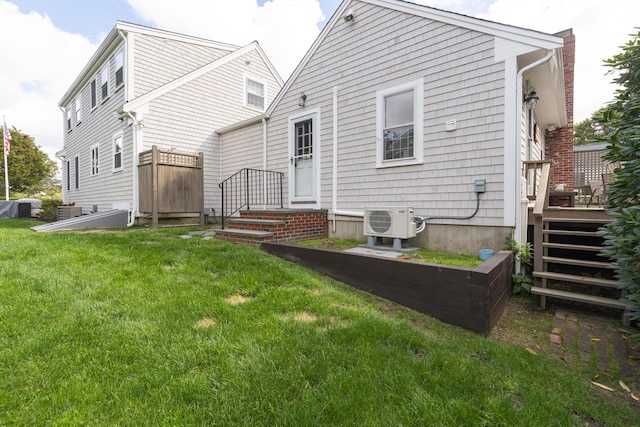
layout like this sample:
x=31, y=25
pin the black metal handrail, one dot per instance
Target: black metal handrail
x=250, y=187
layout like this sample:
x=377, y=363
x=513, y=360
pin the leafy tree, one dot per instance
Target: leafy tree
x=623, y=117
x=590, y=131
x=29, y=168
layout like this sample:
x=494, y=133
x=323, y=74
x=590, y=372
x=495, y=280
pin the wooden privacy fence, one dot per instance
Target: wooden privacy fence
x=171, y=185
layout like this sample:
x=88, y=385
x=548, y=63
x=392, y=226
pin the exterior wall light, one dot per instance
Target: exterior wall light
x=532, y=100
x=302, y=100
x=349, y=16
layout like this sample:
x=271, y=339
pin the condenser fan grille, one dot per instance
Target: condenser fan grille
x=380, y=221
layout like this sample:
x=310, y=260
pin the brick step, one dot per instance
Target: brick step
x=578, y=262
x=562, y=277
x=584, y=298
x=247, y=237
x=252, y=221
x=572, y=247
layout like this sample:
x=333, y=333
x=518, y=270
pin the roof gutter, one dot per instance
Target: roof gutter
x=518, y=164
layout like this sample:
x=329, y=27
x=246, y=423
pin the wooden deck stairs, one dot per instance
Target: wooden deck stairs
x=568, y=263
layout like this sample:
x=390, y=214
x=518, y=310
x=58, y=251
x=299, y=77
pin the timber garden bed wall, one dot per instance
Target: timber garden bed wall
x=473, y=298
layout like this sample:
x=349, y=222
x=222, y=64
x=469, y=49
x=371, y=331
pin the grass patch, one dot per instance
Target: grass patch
x=422, y=255
x=110, y=329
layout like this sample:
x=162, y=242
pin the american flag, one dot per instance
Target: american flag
x=7, y=139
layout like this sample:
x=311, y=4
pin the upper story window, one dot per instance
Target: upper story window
x=104, y=81
x=94, y=95
x=68, y=115
x=95, y=160
x=78, y=109
x=119, y=61
x=255, y=92
x=117, y=152
x=399, y=125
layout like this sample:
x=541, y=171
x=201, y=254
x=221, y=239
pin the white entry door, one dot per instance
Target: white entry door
x=303, y=158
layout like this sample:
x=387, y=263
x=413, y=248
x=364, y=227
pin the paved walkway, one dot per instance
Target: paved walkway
x=593, y=341
x=205, y=234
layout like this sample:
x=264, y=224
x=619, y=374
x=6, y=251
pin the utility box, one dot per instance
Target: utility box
x=66, y=212
x=24, y=210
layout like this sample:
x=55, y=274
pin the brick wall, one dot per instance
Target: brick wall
x=559, y=143
x=287, y=226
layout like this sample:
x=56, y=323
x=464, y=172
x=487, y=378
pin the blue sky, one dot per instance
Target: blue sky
x=46, y=43
x=94, y=18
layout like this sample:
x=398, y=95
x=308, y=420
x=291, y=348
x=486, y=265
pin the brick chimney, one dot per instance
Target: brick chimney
x=559, y=142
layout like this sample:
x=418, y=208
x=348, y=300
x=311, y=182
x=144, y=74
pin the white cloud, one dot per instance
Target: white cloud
x=284, y=28
x=36, y=69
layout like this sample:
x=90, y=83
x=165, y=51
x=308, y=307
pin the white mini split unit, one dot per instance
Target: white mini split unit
x=396, y=222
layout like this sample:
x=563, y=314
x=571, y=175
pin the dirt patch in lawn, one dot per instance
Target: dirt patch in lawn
x=204, y=323
x=237, y=299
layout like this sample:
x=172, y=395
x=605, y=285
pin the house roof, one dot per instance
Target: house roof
x=164, y=89
x=115, y=39
x=531, y=38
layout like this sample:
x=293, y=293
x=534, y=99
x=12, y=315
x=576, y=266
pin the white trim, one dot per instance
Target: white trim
x=245, y=92
x=417, y=86
x=106, y=69
x=162, y=90
x=115, y=65
x=92, y=101
x=314, y=199
x=78, y=107
x=113, y=151
x=95, y=147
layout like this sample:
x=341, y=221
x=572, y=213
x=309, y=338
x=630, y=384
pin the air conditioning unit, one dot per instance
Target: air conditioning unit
x=394, y=222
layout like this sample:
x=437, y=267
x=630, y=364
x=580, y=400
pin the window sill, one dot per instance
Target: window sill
x=105, y=99
x=399, y=163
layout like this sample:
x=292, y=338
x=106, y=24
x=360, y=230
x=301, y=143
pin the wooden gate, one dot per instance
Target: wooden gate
x=171, y=185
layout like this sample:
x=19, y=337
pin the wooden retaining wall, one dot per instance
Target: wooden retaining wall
x=471, y=298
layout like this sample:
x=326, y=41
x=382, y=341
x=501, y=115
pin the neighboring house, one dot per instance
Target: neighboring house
x=146, y=87
x=397, y=104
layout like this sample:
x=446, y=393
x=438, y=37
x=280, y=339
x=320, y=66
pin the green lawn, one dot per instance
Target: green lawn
x=140, y=327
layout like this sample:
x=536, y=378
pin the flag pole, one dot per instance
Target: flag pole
x=4, y=150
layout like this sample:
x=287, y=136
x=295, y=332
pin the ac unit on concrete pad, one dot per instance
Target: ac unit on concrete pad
x=394, y=222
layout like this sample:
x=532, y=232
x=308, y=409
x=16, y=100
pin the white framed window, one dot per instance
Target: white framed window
x=399, y=125
x=117, y=152
x=119, y=61
x=68, y=115
x=95, y=160
x=78, y=109
x=94, y=94
x=76, y=163
x=254, y=93
x=104, y=82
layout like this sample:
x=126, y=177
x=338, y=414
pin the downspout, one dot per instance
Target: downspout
x=518, y=164
x=264, y=157
x=62, y=160
x=134, y=173
x=134, y=209
x=334, y=186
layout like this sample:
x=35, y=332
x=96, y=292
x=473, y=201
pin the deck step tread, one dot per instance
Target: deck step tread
x=578, y=262
x=608, y=283
x=572, y=233
x=578, y=220
x=573, y=247
x=573, y=296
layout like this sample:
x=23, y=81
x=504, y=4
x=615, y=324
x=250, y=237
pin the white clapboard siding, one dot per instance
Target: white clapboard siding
x=462, y=82
x=97, y=127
